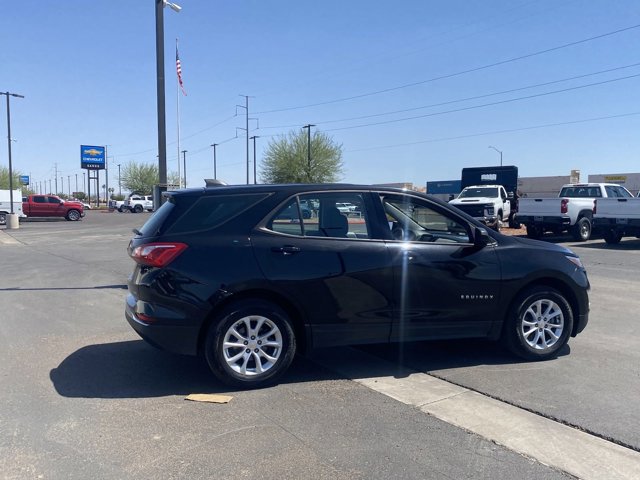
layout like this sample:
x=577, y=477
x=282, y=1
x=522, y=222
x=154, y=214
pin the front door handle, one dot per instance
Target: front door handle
x=286, y=250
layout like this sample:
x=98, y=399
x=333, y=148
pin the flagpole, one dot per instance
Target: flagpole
x=178, y=117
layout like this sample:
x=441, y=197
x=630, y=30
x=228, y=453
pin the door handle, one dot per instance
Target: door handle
x=286, y=250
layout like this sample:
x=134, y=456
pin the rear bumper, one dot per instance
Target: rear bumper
x=629, y=225
x=181, y=339
x=551, y=222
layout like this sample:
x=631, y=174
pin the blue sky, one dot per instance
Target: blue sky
x=87, y=71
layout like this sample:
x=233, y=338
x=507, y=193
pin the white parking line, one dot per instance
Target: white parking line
x=7, y=239
x=567, y=449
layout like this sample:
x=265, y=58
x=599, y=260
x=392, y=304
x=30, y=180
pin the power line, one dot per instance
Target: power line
x=495, y=132
x=450, y=75
x=415, y=117
x=449, y=102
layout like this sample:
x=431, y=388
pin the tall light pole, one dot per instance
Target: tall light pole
x=214, y=145
x=499, y=151
x=84, y=185
x=308, y=127
x=184, y=163
x=119, y=184
x=162, y=133
x=13, y=221
x=255, y=181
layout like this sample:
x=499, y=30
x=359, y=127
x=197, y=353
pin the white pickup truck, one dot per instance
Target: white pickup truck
x=571, y=211
x=138, y=203
x=617, y=218
x=487, y=203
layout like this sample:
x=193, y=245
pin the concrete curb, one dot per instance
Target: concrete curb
x=559, y=446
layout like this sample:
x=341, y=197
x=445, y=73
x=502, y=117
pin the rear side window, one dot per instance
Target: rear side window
x=212, y=211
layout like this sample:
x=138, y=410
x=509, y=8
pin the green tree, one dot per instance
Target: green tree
x=139, y=177
x=4, y=178
x=286, y=159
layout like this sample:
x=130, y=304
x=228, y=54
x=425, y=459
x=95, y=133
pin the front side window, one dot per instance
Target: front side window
x=414, y=219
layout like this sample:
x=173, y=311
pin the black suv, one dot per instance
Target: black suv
x=222, y=272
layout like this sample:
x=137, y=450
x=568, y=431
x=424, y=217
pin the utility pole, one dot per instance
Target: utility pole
x=13, y=222
x=214, y=145
x=246, y=129
x=308, y=127
x=184, y=161
x=76, y=183
x=55, y=165
x=119, y=183
x=69, y=184
x=255, y=181
x=106, y=169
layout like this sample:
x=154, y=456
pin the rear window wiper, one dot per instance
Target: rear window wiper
x=137, y=232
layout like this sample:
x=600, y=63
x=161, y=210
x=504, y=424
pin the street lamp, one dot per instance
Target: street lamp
x=255, y=181
x=499, y=151
x=119, y=184
x=214, y=145
x=308, y=127
x=162, y=133
x=184, y=162
x=12, y=221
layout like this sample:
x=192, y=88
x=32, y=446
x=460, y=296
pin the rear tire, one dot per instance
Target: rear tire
x=3, y=218
x=512, y=221
x=612, y=236
x=581, y=231
x=250, y=344
x=534, y=231
x=538, y=324
x=138, y=208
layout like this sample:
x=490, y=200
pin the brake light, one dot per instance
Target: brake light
x=563, y=205
x=157, y=254
x=595, y=206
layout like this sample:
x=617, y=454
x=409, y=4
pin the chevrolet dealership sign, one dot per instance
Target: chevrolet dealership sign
x=92, y=157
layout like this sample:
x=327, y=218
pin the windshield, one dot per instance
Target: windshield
x=479, y=192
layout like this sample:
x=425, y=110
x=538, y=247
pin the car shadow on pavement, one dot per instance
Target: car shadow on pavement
x=134, y=369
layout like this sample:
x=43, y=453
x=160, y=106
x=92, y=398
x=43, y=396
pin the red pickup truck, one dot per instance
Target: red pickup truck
x=51, y=206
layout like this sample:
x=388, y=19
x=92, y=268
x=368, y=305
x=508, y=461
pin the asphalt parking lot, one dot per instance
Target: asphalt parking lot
x=84, y=397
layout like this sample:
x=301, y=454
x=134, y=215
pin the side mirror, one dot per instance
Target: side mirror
x=481, y=237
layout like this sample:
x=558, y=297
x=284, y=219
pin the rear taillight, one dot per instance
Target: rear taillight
x=595, y=206
x=564, y=205
x=157, y=254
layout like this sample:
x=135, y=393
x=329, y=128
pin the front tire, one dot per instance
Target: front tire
x=73, y=215
x=250, y=344
x=539, y=324
x=138, y=209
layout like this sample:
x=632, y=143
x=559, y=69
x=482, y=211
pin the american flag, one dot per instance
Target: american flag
x=179, y=72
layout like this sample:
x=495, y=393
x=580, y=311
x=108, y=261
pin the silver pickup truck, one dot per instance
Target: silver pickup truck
x=571, y=211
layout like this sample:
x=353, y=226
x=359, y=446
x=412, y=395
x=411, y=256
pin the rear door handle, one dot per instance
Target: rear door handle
x=286, y=250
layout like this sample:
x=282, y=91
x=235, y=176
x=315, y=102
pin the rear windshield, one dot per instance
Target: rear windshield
x=579, y=191
x=154, y=224
x=210, y=211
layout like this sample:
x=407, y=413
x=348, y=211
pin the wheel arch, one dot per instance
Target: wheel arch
x=586, y=213
x=295, y=315
x=551, y=282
